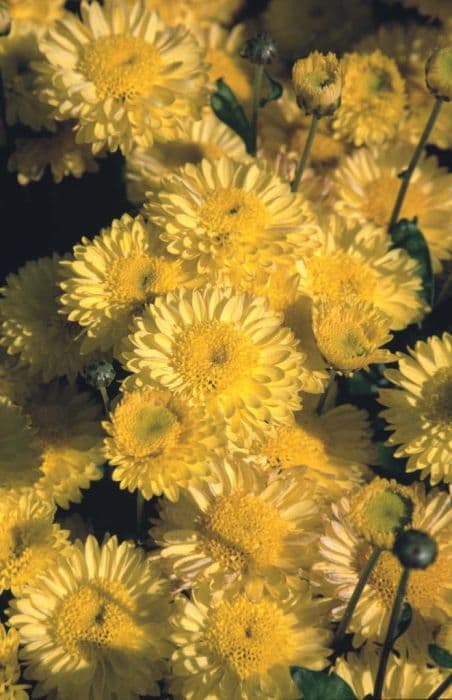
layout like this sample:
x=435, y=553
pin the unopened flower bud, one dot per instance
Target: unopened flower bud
x=415, y=549
x=5, y=18
x=260, y=49
x=99, y=374
x=317, y=81
x=438, y=74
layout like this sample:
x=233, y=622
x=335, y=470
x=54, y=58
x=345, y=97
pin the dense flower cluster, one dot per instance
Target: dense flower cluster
x=263, y=326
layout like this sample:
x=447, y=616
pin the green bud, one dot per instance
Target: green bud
x=260, y=49
x=415, y=549
x=99, y=374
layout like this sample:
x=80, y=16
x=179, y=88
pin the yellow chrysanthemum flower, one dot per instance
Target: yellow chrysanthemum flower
x=38, y=14
x=366, y=186
x=357, y=262
x=419, y=411
x=237, y=527
x=19, y=452
x=31, y=325
x=331, y=450
x=158, y=443
x=69, y=434
x=373, y=99
x=317, y=82
x=59, y=152
x=178, y=11
x=112, y=277
x=207, y=138
x=344, y=553
x=403, y=679
x=10, y=689
x=95, y=624
x=14, y=379
x=240, y=648
x=222, y=351
x=29, y=541
x=227, y=214
x=123, y=75
x=350, y=334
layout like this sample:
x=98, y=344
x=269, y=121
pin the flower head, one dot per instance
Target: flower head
x=261, y=49
x=317, y=81
x=9, y=666
x=438, y=74
x=19, y=452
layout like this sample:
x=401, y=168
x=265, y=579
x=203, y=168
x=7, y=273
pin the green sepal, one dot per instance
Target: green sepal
x=440, y=656
x=407, y=235
x=318, y=685
x=405, y=620
x=229, y=110
x=276, y=90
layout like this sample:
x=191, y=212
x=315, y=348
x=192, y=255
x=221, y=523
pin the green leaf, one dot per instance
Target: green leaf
x=227, y=108
x=406, y=234
x=440, y=656
x=392, y=467
x=361, y=384
x=318, y=685
x=405, y=620
x=276, y=90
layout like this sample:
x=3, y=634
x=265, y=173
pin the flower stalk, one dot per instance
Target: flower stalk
x=441, y=689
x=323, y=398
x=257, y=89
x=304, y=156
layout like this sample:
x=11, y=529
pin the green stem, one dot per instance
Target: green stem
x=441, y=688
x=105, y=399
x=414, y=161
x=304, y=156
x=390, y=634
x=351, y=605
x=140, y=513
x=257, y=89
x=323, y=398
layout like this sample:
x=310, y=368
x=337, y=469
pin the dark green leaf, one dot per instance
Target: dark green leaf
x=406, y=234
x=227, y=108
x=440, y=656
x=276, y=90
x=390, y=465
x=405, y=620
x=318, y=685
x=361, y=384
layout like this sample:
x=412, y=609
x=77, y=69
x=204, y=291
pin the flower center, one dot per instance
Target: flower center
x=340, y=276
x=145, y=430
x=177, y=153
x=242, y=531
x=141, y=278
x=213, y=356
x=297, y=445
x=251, y=636
x=436, y=402
x=379, y=195
x=378, y=81
x=232, y=217
x=96, y=617
x=121, y=66
x=387, y=511
x=23, y=545
x=223, y=66
x=319, y=79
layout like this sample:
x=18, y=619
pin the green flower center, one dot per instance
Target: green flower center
x=387, y=511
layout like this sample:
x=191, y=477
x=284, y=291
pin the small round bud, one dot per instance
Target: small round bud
x=260, y=49
x=99, y=374
x=415, y=549
x=5, y=18
x=317, y=82
x=438, y=74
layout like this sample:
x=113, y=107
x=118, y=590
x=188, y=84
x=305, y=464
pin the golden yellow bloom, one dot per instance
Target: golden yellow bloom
x=35, y=14
x=207, y=138
x=95, y=624
x=223, y=352
x=438, y=73
x=33, y=328
x=9, y=666
x=366, y=186
x=350, y=334
x=227, y=214
x=232, y=646
x=331, y=450
x=112, y=277
x=122, y=75
x=179, y=11
x=317, y=82
x=59, y=152
x=357, y=262
x=373, y=99
x=222, y=53
x=236, y=527
x=29, y=541
x=158, y=443
x=419, y=411
x=19, y=452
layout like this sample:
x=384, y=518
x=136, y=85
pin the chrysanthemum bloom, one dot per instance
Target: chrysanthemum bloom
x=111, y=278
x=158, y=443
x=237, y=527
x=419, y=411
x=366, y=186
x=240, y=648
x=58, y=152
x=403, y=679
x=207, y=138
x=176, y=11
x=19, y=452
x=14, y=379
x=227, y=214
x=29, y=541
x=94, y=625
x=356, y=262
x=331, y=450
x=31, y=325
x=317, y=82
x=68, y=431
x=221, y=351
x=36, y=14
x=373, y=99
x=122, y=74
x=344, y=553
x=10, y=689
x=350, y=334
